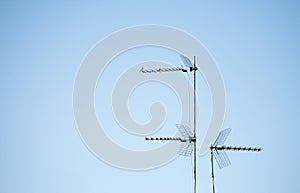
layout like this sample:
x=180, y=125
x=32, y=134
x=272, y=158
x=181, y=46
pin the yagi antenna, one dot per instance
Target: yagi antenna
x=188, y=137
x=217, y=151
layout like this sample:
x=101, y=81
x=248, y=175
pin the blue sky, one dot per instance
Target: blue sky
x=255, y=44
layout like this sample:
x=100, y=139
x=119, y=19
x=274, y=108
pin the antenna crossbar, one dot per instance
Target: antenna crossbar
x=158, y=70
x=236, y=148
x=166, y=139
x=190, y=139
x=176, y=69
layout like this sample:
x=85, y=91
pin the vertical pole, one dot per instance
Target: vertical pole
x=212, y=169
x=195, y=154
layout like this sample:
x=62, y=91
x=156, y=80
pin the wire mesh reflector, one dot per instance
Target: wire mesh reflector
x=186, y=61
x=184, y=130
x=222, y=137
x=186, y=149
x=221, y=158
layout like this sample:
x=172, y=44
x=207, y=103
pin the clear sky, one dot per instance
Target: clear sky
x=255, y=44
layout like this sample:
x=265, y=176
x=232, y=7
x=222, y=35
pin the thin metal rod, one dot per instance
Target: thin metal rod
x=195, y=155
x=194, y=96
x=212, y=170
x=195, y=180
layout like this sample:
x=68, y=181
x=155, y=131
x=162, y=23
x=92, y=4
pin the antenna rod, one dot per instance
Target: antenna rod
x=194, y=96
x=236, y=148
x=166, y=139
x=212, y=169
x=195, y=155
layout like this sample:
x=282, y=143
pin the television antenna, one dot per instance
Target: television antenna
x=188, y=137
x=218, y=151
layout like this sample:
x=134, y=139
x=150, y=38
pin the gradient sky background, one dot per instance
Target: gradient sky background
x=256, y=45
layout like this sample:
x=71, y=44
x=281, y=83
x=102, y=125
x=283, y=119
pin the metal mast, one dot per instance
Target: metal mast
x=195, y=155
x=212, y=169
